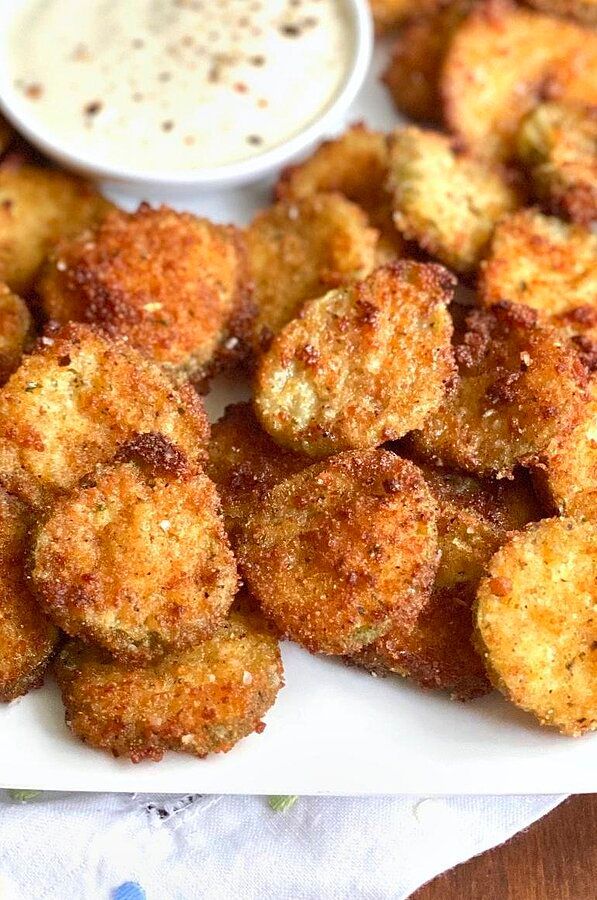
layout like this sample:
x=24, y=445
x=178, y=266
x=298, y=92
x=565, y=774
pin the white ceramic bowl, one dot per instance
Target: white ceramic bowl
x=139, y=182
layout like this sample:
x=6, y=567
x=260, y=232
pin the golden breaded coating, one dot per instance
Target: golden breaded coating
x=437, y=653
x=584, y=11
x=27, y=639
x=362, y=365
x=536, y=622
x=245, y=463
x=501, y=61
x=447, y=201
x=548, y=265
x=299, y=249
x=356, y=165
x=559, y=145
x=474, y=518
x=337, y=552
x=389, y=14
x=173, y=285
x=136, y=559
x=75, y=400
x=569, y=474
x=519, y=386
x=16, y=329
x=201, y=701
x=413, y=72
x=37, y=208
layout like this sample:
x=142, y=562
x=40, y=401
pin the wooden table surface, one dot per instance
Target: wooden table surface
x=555, y=859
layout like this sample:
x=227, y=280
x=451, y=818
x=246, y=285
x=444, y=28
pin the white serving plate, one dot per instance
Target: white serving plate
x=333, y=730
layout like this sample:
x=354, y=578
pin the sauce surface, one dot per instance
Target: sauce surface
x=178, y=84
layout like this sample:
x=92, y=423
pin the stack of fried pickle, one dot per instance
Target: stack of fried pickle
x=413, y=486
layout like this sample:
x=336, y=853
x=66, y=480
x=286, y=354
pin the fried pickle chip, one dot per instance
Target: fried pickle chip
x=413, y=72
x=362, y=365
x=356, y=165
x=474, y=519
x=245, y=463
x=501, y=62
x=175, y=286
x=389, y=14
x=520, y=385
x=200, y=701
x=16, y=329
x=584, y=11
x=559, y=145
x=27, y=639
x=548, y=265
x=569, y=473
x=337, y=552
x=136, y=559
x=437, y=653
x=298, y=249
x=536, y=622
x=37, y=208
x=75, y=400
x=447, y=201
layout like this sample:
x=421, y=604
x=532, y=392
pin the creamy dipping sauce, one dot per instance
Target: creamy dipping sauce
x=178, y=84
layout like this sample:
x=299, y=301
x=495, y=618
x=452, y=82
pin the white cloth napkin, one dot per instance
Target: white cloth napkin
x=158, y=847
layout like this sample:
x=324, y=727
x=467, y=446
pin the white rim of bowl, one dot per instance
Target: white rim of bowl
x=15, y=111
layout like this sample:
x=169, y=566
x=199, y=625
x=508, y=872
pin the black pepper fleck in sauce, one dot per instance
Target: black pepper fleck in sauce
x=93, y=108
